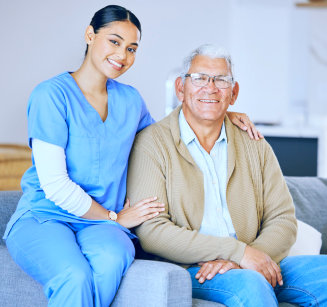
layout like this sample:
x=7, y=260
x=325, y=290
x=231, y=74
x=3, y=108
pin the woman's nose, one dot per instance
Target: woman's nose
x=121, y=52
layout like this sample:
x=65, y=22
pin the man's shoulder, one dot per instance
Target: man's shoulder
x=244, y=147
x=159, y=132
x=240, y=137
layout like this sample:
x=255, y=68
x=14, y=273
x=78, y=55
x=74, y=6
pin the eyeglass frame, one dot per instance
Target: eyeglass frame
x=230, y=79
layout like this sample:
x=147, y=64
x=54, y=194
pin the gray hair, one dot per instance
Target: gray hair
x=208, y=50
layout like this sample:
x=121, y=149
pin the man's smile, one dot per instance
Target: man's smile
x=209, y=100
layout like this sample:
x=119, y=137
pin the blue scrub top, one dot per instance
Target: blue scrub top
x=97, y=152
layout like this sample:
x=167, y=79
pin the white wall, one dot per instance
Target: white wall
x=42, y=38
x=268, y=39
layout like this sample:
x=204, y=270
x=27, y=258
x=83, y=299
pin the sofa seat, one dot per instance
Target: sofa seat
x=151, y=283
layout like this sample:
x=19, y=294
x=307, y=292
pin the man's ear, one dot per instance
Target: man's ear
x=89, y=35
x=235, y=92
x=179, y=89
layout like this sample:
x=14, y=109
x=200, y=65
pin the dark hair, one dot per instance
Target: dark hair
x=112, y=13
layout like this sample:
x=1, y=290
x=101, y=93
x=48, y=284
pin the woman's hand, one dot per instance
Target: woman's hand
x=142, y=211
x=242, y=121
x=210, y=269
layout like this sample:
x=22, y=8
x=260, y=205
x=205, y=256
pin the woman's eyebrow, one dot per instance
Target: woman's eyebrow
x=135, y=44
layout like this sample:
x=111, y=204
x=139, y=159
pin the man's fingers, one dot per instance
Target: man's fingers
x=267, y=275
x=273, y=276
x=226, y=267
x=278, y=274
x=199, y=273
x=216, y=269
x=210, y=269
x=207, y=269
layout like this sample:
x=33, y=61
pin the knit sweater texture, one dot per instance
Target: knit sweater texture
x=258, y=199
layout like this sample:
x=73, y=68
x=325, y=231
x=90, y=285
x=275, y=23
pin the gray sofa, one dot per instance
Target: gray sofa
x=150, y=283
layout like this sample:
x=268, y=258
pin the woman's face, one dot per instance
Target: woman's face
x=112, y=50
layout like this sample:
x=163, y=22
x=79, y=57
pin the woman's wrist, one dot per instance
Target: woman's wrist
x=112, y=215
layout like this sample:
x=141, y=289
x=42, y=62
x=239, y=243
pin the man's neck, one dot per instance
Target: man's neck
x=207, y=132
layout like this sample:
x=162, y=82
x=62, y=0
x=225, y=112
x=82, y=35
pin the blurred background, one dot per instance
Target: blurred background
x=279, y=48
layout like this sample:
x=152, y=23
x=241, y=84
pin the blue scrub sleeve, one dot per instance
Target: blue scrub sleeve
x=146, y=118
x=46, y=114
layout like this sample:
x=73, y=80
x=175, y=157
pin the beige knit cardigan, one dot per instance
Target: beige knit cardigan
x=258, y=199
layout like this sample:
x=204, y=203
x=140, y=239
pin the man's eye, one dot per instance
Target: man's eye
x=199, y=78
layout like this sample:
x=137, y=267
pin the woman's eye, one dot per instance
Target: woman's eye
x=132, y=50
x=114, y=42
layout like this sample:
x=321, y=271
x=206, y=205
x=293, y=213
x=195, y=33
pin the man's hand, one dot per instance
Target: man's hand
x=259, y=261
x=210, y=269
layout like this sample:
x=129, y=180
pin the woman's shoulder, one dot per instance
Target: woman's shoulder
x=123, y=88
x=54, y=84
x=51, y=91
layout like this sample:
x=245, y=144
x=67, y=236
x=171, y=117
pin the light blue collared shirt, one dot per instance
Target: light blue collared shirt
x=216, y=219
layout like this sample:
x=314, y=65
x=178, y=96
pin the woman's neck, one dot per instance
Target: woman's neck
x=90, y=81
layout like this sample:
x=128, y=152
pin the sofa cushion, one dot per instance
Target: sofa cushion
x=310, y=199
x=8, y=204
x=17, y=288
x=308, y=240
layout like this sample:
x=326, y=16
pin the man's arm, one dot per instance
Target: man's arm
x=161, y=236
x=278, y=223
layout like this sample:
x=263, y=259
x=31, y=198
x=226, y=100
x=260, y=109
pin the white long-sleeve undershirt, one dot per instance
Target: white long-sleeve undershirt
x=50, y=163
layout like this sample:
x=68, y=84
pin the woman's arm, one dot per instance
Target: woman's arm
x=50, y=163
x=242, y=121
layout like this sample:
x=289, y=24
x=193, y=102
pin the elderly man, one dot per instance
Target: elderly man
x=229, y=215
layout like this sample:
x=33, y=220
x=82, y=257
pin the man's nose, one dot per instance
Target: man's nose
x=211, y=86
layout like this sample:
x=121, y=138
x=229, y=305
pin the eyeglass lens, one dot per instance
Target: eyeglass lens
x=202, y=80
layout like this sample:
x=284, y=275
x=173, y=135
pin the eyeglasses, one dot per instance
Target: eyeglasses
x=201, y=80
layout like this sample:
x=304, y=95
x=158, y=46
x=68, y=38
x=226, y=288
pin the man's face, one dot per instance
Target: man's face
x=208, y=104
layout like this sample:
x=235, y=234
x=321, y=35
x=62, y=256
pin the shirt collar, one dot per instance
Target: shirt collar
x=188, y=135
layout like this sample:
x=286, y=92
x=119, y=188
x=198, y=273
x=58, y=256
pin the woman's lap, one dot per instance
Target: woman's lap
x=100, y=253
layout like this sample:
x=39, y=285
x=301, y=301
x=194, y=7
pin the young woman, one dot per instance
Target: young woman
x=70, y=230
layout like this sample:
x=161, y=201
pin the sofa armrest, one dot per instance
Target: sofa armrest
x=154, y=283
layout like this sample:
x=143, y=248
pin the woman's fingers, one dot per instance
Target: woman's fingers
x=127, y=204
x=248, y=124
x=257, y=135
x=237, y=121
x=145, y=201
x=132, y=216
x=150, y=210
x=243, y=121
